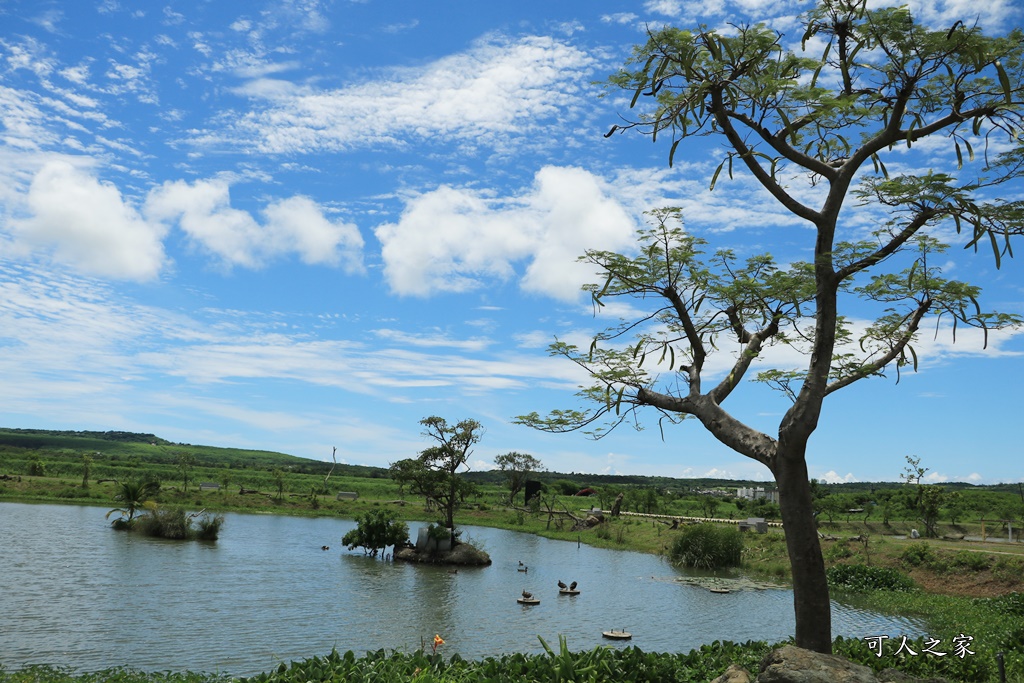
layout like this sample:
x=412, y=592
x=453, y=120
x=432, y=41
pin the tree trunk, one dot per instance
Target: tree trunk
x=810, y=586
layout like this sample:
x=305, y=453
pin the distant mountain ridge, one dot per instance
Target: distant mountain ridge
x=129, y=437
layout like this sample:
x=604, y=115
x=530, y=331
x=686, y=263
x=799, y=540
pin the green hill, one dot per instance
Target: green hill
x=116, y=446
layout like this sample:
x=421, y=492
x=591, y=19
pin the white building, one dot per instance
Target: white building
x=771, y=495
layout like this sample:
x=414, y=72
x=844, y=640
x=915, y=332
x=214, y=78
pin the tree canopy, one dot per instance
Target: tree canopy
x=376, y=530
x=516, y=467
x=815, y=128
x=435, y=473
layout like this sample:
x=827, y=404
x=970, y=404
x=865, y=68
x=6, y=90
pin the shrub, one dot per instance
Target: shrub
x=174, y=524
x=708, y=546
x=918, y=554
x=566, y=487
x=1011, y=604
x=1008, y=568
x=859, y=577
x=165, y=523
x=377, y=529
x=973, y=561
x=208, y=527
x=838, y=551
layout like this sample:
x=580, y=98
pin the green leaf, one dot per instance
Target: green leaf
x=714, y=178
x=787, y=125
x=672, y=152
x=1005, y=82
x=995, y=247
x=817, y=72
x=709, y=43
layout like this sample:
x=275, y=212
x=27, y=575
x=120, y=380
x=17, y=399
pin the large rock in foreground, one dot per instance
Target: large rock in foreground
x=795, y=665
x=792, y=664
x=461, y=555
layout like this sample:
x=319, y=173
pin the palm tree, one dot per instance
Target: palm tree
x=132, y=494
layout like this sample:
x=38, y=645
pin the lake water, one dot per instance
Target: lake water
x=73, y=592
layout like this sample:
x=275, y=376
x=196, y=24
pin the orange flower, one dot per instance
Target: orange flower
x=437, y=641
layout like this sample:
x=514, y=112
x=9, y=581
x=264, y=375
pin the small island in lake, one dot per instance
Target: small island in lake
x=437, y=545
x=462, y=554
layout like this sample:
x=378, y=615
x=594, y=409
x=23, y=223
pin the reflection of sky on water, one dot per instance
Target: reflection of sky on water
x=79, y=594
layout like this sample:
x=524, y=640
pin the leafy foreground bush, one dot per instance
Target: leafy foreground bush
x=600, y=665
x=707, y=546
x=630, y=665
x=859, y=577
x=52, y=674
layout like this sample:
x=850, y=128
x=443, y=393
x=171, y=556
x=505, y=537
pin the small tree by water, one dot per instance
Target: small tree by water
x=376, y=530
x=132, y=494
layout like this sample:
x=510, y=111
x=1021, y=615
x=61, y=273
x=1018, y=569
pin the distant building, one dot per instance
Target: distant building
x=758, y=493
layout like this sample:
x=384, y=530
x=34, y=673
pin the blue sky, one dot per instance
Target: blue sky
x=304, y=224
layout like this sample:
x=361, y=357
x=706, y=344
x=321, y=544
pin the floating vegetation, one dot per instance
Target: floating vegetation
x=732, y=584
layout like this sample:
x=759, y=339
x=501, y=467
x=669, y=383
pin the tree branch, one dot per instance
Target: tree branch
x=752, y=350
x=721, y=115
x=723, y=426
x=777, y=143
x=897, y=349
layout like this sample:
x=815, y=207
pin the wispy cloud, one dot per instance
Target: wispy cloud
x=502, y=87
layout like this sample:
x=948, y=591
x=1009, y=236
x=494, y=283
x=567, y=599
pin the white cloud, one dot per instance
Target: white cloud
x=432, y=340
x=299, y=223
x=575, y=214
x=667, y=7
x=497, y=89
x=449, y=239
x=296, y=225
x=831, y=477
x=89, y=225
x=203, y=210
x=941, y=14
x=619, y=18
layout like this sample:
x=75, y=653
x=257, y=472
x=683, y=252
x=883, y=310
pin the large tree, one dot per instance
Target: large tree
x=814, y=130
x=435, y=473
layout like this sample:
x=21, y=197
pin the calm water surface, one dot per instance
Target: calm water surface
x=74, y=592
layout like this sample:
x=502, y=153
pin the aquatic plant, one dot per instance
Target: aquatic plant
x=707, y=546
